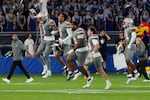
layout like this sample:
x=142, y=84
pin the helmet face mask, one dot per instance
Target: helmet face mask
x=127, y=22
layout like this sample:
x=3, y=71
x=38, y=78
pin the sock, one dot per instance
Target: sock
x=65, y=67
x=135, y=71
x=70, y=72
x=107, y=81
x=89, y=78
x=76, y=71
x=129, y=75
x=45, y=66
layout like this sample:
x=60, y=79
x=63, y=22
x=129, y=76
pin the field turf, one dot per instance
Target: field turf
x=57, y=88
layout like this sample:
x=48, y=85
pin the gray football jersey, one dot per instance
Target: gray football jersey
x=63, y=29
x=90, y=41
x=127, y=31
x=79, y=33
x=48, y=27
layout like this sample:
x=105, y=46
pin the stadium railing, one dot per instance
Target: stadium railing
x=5, y=39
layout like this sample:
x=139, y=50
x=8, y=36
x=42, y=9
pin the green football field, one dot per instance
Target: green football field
x=56, y=88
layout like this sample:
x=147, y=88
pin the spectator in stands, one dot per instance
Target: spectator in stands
x=104, y=4
x=115, y=9
x=131, y=15
x=116, y=6
x=77, y=18
x=118, y=19
x=74, y=5
x=136, y=13
x=99, y=19
x=29, y=45
x=2, y=21
x=93, y=7
x=83, y=4
x=21, y=20
x=11, y=20
x=110, y=8
x=145, y=16
x=51, y=5
x=103, y=37
x=34, y=5
x=109, y=18
x=87, y=20
x=64, y=5
x=1, y=3
x=140, y=4
x=18, y=5
x=8, y=4
x=31, y=21
x=54, y=15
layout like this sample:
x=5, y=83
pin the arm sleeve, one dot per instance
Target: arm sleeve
x=95, y=41
x=69, y=32
x=133, y=38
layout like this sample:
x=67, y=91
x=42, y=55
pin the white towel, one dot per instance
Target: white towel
x=119, y=61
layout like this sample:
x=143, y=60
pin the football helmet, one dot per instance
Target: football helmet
x=128, y=22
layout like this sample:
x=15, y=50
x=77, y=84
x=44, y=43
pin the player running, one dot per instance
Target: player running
x=65, y=32
x=80, y=50
x=95, y=57
x=130, y=36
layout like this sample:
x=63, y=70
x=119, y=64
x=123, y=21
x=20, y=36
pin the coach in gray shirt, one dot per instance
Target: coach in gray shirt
x=17, y=49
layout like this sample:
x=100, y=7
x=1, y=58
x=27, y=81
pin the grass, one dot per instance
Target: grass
x=56, y=88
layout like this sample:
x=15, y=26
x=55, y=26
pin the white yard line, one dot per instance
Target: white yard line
x=75, y=91
x=28, y=83
x=136, y=86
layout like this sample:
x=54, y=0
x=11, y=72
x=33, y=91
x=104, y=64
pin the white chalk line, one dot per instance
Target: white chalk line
x=137, y=86
x=75, y=91
x=35, y=83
